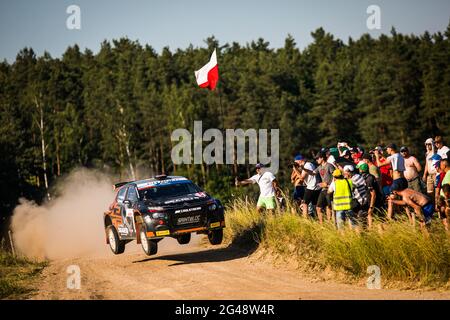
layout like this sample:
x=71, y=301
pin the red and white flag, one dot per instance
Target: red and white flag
x=208, y=75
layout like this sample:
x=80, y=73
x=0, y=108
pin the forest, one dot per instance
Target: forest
x=115, y=110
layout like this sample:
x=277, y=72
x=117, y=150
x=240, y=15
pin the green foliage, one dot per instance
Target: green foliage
x=116, y=109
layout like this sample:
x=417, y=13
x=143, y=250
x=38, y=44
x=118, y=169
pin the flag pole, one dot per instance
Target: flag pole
x=220, y=105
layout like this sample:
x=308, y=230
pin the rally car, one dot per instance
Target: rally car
x=163, y=206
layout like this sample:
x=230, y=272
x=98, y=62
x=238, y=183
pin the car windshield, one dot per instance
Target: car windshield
x=168, y=191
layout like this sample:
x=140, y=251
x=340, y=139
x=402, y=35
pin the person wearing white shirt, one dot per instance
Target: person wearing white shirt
x=442, y=149
x=310, y=178
x=268, y=187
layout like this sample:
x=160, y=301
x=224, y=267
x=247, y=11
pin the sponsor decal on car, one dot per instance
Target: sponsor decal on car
x=215, y=225
x=163, y=233
x=188, y=210
x=148, y=184
x=181, y=200
x=188, y=220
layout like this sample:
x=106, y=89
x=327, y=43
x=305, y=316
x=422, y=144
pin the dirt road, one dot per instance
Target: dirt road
x=197, y=272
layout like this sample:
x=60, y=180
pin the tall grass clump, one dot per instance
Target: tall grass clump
x=403, y=253
x=15, y=275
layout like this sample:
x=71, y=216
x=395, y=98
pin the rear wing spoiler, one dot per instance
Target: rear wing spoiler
x=118, y=185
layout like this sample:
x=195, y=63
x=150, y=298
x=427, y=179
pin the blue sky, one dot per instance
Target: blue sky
x=41, y=24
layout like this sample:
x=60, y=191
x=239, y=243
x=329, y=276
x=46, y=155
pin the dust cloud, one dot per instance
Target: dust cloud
x=71, y=224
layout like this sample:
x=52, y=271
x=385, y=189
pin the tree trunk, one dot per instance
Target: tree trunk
x=130, y=160
x=43, y=146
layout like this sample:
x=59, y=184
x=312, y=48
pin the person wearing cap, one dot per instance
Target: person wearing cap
x=268, y=187
x=375, y=196
x=422, y=205
x=397, y=162
x=429, y=172
x=360, y=192
x=299, y=186
x=312, y=191
x=412, y=169
x=373, y=169
x=441, y=149
x=325, y=170
x=342, y=191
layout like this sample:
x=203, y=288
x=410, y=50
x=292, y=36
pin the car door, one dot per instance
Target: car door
x=131, y=198
x=119, y=210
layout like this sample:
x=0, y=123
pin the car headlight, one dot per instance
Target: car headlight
x=147, y=219
x=158, y=215
x=212, y=207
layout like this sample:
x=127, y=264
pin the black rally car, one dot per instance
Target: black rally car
x=164, y=206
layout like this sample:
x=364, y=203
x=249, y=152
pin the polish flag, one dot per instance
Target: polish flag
x=208, y=75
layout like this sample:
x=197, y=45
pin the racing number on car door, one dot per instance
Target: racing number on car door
x=132, y=197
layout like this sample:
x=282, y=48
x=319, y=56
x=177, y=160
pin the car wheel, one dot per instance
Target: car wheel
x=117, y=246
x=215, y=236
x=184, y=238
x=150, y=247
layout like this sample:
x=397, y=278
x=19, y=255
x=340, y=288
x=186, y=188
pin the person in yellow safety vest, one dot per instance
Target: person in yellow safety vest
x=342, y=190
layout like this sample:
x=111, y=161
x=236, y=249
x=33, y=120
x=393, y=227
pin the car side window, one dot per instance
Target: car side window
x=121, y=195
x=132, y=194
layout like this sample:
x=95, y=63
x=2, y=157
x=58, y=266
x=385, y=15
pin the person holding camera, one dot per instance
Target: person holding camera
x=311, y=180
x=299, y=185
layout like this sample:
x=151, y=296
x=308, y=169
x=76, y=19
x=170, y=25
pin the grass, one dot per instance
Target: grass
x=15, y=275
x=404, y=254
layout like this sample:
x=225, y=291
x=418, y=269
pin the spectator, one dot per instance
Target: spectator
x=325, y=170
x=299, y=186
x=373, y=169
x=398, y=167
x=360, y=193
x=445, y=214
x=342, y=189
x=445, y=169
x=412, y=169
x=429, y=172
x=442, y=149
x=268, y=186
x=438, y=183
x=421, y=204
x=356, y=155
x=312, y=190
x=375, y=195
x=385, y=170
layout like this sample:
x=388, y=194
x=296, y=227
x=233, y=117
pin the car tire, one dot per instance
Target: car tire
x=150, y=247
x=215, y=236
x=116, y=245
x=184, y=238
